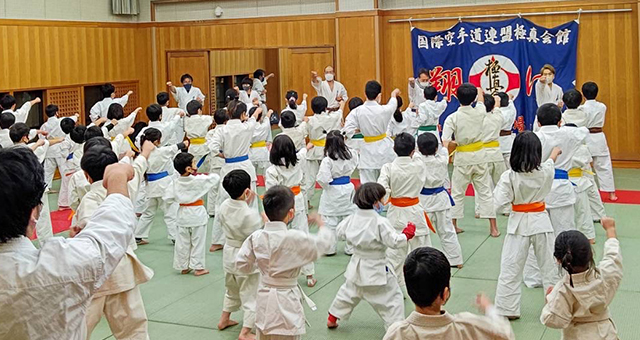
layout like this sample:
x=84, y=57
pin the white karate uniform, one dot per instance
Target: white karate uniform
x=123, y=125
x=215, y=164
x=372, y=119
x=159, y=193
x=582, y=185
x=509, y=115
x=168, y=114
x=196, y=127
x=247, y=98
x=300, y=111
x=598, y=145
x=330, y=94
x=55, y=157
x=416, y=93
x=168, y=129
x=336, y=201
x=525, y=231
x=438, y=206
x=44, y=229
x=259, y=155
x=493, y=122
x=101, y=108
x=279, y=254
x=429, y=113
x=53, y=285
x=582, y=311
x=78, y=187
x=367, y=276
x=546, y=94
x=259, y=87
x=293, y=176
x=189, y=252
x=406, y=125
x=5, y=139
x=404, y=178
x=452, y=326
x=238, y=222
x=183, y=97
x=298, y=135
x=317, y=128
x=21, y=114
x=469, y=167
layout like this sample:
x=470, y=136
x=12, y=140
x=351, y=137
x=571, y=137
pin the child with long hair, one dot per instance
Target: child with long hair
x=579, y=303
x=402, y=121
x=299, y=110
x=334, y=176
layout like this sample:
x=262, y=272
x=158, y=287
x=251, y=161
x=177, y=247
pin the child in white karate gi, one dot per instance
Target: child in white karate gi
x=509, y=114
x=8, y=104
x=183, y=95
x=189, y=188
x=279, y=253
x=215, y=162
x=402, y=121
x=334, y=176
x=524, y=188
x=429, y=112
x=196, y=126
x=55, y=159
x=579, y=303
x=116, y=112
x=287, y=169
x=355, y=142
x=238, y=222
x=490, y=139
x=168, y=127
x=101, y=108
x=300, y=111
x=261, y=140
x=434, y=197
x=403, y=179
x=168, y=114
x=298, y=134
x=367, y=276
x=247, y=95
x=428, y=280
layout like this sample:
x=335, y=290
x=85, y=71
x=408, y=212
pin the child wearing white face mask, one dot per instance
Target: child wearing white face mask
x=183, y=95
x=546, y=90
x=331, y=89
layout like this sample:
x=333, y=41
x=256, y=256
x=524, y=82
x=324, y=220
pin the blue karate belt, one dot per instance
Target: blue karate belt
x=201, y=161
x=562, y=174
x=70, y=156
x=236, y=159
x=341, y=180
x=157, y=176
x=434, y=191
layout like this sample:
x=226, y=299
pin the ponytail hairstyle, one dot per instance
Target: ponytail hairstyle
x=283, y=151
x=292, y=98
x=115, y=111
x=230, y=95
x=335, y=147
x=398, y=114
x=573, y=252
x=151, y=134
x=236, y=108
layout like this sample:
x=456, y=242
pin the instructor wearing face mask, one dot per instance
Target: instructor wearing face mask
x=416, y=87
x=546, y=90
x=329, y=88
x=183, y=95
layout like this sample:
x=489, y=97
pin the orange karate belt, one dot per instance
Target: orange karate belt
x=529, y=207
x=193, y=204
x=404, y=202
x=296, y=190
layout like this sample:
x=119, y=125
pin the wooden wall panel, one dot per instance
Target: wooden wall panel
x=607, y=54
x=231, y=62
x=356, y=53
x=134, y=100
x=68, y=100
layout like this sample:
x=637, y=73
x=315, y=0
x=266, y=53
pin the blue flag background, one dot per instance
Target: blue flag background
x=500, y=56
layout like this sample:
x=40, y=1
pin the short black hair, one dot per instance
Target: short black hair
x=7, y=101
x=397, y=115
x=283, y=151
x=288, y=119
x=230, y=95
x=51, y=110
x=150, y=134
x=7, y=119
x=22, y=178
x=372, y=89
x=236, y=109
x=236, y=182
x=572, y=99
x=423, y=71
x=404, y=144
x=96, y=159
x=368, y=194
x=154, y=112
x=93, y=132
x=590, y=90
x=67, y=125
x=335, y=146
x=193, y=107
x=97, y=142
x=17, y=131
x=319, y=104
x=526, y=152
x=246, y=81
x=427, y=273
x=162, y=98
x=107, y=89
x=428, y=144
x=182, y=161
x=115, y=111
x=430, y=93
x=220, y=116
x=549, y=114
x=355, y=102
x=466, y=94
x=185, y=77
x=77, y=133
x=489, y=102
x=504, y=99
x=277, y=202
x=258, y=73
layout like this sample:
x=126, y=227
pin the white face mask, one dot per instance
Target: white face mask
x=328, y=76
x=423, y=84
x=550, y=79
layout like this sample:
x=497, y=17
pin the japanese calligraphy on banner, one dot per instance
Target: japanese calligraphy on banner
x=502, y=56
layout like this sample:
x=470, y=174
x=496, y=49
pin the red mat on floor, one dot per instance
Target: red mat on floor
x=60, y=221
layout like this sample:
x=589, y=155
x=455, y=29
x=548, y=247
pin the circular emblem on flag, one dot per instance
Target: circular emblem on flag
x=495, y=73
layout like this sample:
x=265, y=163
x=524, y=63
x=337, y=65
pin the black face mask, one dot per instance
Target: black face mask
x=187, y=87
x=246, y=87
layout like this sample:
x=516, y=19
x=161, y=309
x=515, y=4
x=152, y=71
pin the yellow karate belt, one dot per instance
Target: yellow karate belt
x=197, y=141
x=577, y=172
x=493, y=144
x=133, y=146
x=372, y=139
x=319, y=142
x=259, y=144
x=477, y=146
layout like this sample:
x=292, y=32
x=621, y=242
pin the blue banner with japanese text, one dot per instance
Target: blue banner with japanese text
x=501, y=56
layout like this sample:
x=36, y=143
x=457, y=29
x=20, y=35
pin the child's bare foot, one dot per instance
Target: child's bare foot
x=332, y=322
x=592, y=240
x=224, y=324
x=494, y=233
x=215, y=247
x=459, y=231
x=477, y=216
x=185, y=271
x=613, y=197
x=311, y=282
x=200, y=272
x=245, y=334
x=459, y=266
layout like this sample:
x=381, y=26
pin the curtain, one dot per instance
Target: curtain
x=125, y=7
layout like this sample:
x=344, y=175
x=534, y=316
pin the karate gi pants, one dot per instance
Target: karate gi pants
x=189, y=252
x=480, y=177
x=595, y=201
x=261, y=336
x=396, y=256
x=331, y=223
x=584, y=220
x=448, y=237
x=369, y=175
x=240, y=292
x=387, y=301
x=50, y=165
x=495, y=170
x=310, y=178
x=301, y=223
x=170, y=209
x=44, y=229
x=124, y=312
x=604, y=171
x=63, y=194
x=507, y=160
x=212, y=196
x=515, y=252
x=217, y=235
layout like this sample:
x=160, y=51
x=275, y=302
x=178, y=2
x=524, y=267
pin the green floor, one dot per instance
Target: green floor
x=188, y=307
